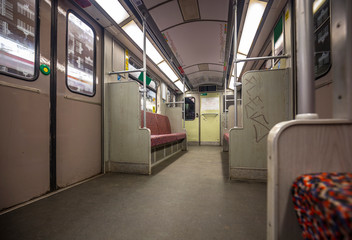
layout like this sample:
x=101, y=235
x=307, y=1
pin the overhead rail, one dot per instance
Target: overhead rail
x=261, y=58
x=144, y=70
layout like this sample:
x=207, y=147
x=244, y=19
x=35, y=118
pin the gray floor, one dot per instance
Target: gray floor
x=187, y=197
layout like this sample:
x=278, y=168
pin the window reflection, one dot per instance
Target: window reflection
x=17, y=37
x=80, y=56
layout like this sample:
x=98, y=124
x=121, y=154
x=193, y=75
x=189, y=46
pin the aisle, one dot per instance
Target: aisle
x=188, y=197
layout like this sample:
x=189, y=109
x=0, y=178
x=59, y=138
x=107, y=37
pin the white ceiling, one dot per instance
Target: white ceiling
x=199, y=41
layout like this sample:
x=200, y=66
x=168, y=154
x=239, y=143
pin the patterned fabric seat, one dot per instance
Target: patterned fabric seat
x=160, y=129
x=323, y=205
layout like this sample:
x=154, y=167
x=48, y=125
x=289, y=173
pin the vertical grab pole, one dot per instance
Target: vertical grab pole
x=184, y=104
x=225, y=102
x=235, y=66
x=144, y=77
x=305, y=58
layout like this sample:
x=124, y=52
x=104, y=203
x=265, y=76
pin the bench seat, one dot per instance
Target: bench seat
x=161, y=139
x=160, y=129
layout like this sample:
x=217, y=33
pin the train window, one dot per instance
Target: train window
x=322, y=62
x=150, y=101
x=190, y=108
x=278, y=39
x=80, y=69
x=152, y=84
x=18, y=38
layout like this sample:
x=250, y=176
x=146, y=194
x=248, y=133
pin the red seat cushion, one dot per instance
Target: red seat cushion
x=227, y=136
x=179, y=136
x=157, y=140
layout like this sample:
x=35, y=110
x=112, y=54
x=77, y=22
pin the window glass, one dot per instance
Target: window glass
x=152, y=84
x=190, y=108
x=278, y=38
x=322, y=57
x=163, y=91
x=151, y=99
x=168, y=96
x=80, y=56
x=18, y=38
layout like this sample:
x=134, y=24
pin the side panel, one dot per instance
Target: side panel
x=265, y=103
x=24, y=128
x=78, y=116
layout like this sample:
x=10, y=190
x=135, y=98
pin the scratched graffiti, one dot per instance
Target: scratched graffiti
x=254, y=109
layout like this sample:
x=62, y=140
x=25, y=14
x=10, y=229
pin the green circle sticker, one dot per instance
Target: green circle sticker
x=45, y=69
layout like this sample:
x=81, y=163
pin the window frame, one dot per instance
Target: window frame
x=36, y=50
x=70, y=11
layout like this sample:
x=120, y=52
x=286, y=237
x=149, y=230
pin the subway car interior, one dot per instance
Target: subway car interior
x=175, y=119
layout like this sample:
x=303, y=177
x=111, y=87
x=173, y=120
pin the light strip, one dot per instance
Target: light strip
x=179, y=85
x=254, y=16
x=115, y=10
x=168, y=71
x=136, y=34
x=240, y=64
x=317, y=4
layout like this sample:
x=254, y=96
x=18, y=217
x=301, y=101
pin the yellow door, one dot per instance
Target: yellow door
x=210, y=119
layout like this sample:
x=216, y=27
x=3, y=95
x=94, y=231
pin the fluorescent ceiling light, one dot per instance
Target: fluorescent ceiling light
x=239, y=65
x=115, y=10
x=231, y=86
x=136, y=34
x=254, y=16
x=317, y=4
x=168, y=71
x=179, y=85
x=231, y=83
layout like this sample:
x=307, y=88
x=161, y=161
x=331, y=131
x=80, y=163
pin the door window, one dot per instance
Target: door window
x=80, y=70
x=190, y=108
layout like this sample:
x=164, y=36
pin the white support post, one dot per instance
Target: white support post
x=144, y=76
x=235, y=66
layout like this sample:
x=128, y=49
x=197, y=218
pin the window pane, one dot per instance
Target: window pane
x=80, y=56
x=18, y=37
x=322, y=39
x=151, y=100
x=190, y=108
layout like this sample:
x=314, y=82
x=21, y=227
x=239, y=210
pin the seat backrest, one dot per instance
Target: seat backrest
x=163, y=124
x=158, y=124
x=151, y=122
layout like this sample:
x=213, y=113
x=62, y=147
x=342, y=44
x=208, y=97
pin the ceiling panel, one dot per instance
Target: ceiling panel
x=191, y=69
x=203, y=67
x=167, y=15
x=204, y=77
x=218, y=68
x=198, y=42
x=152, y=3
x=215, y=10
